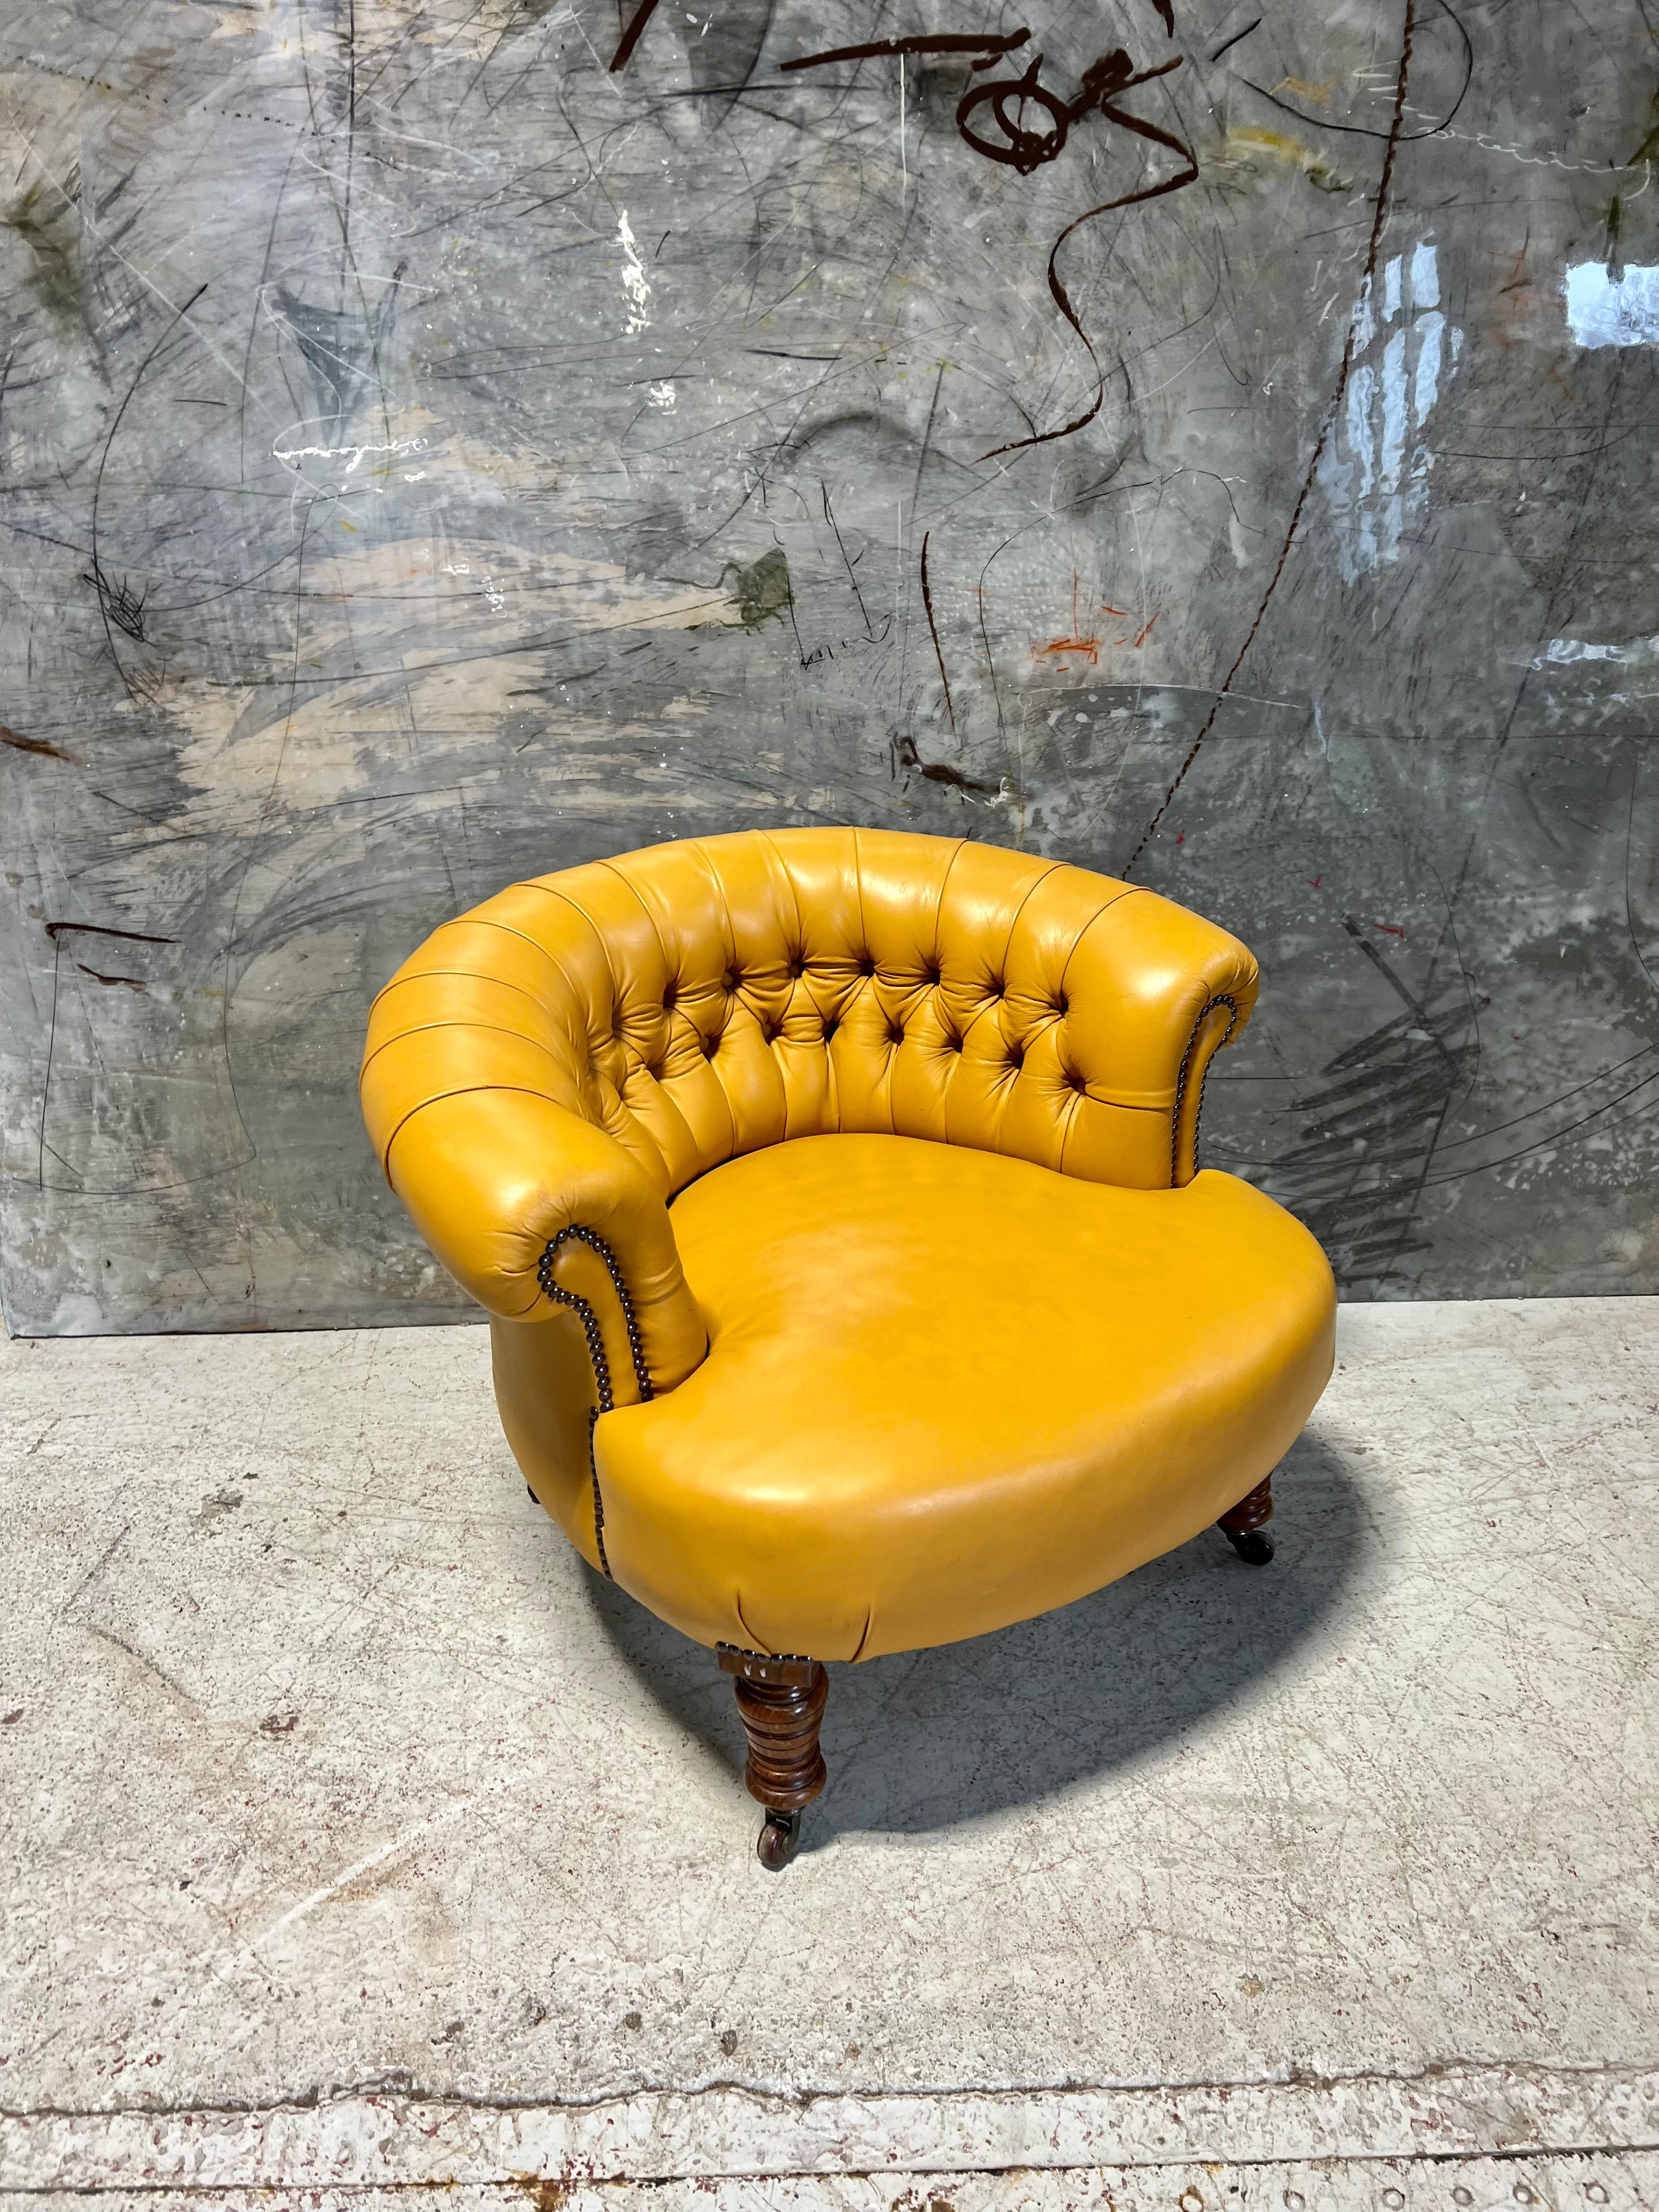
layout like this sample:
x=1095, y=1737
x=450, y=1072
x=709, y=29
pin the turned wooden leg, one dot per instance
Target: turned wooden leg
x=1245, y=1526
x=781, y=1702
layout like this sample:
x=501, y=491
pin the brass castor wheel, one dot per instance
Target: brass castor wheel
x=780, y=1839
x=1254, y=1546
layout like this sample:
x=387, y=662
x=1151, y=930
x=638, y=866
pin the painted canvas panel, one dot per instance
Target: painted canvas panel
x=442, y=440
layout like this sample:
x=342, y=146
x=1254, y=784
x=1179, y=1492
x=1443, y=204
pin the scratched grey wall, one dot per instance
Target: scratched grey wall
x=429, y=455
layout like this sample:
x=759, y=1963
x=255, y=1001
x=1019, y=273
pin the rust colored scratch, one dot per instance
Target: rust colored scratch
x=1090, y=646
x=22, y=745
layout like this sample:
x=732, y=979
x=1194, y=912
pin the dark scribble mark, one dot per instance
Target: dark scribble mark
x=1327, y=421
x=341, y=349
x=1165, y=9
x=1369, y=130
x=56, y=929
x=630, y=37
x=1648, y=148
x=121, y=605
x=1369, y=1128
x=47, y=219
x=1018, y=148
x=905, y=756
x=1227, y=45
x=1106, y=76
x=1102, y=82
x=990, y=44
x=759, y=587
x=132, y=982
x=985, y=636
x=1630, y=834
x=933, y=627
x=830, y=517
x=22, y=745
x=177, y=317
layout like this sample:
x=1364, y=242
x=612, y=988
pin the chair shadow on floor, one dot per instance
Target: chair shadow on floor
x=924, y=1740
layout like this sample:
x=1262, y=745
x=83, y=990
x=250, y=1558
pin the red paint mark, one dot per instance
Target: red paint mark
x=1123, y=613
x=1388, y=929
x=1314, y=882
x=1181, y=836
x=1147, y=632
x=1091, y=646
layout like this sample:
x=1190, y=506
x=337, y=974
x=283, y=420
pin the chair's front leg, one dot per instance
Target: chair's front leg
x=1244, y=1526
x=781, y=1702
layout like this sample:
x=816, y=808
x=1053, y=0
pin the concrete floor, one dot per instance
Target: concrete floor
x=362, y=1848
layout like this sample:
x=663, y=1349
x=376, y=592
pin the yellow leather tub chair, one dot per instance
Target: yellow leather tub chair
x=834, y=1199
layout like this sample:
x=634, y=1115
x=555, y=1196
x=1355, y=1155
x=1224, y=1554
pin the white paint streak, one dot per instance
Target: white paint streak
x=1604, y=310
x=1376, y=466
x=635, y=283
x=296, y=453
x=1562, y=652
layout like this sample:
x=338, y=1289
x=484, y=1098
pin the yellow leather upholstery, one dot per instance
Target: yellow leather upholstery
x=899, y=1391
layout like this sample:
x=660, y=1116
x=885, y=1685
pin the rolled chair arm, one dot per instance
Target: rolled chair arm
x=494, y=1179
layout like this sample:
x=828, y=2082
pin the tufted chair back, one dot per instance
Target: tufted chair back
x=546, y=1072
x=698, y=1001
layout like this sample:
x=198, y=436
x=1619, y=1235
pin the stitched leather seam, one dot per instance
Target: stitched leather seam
x=1221, y=998
x=464, y=974
x=944, y=893
x=452, y=1022
x=462, y=1091
x=718, y=884
x=582, y=1308
x=477, y=919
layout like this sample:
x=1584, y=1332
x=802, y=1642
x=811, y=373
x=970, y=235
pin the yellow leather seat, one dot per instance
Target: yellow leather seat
x=943, y=1327
x=945, y=1391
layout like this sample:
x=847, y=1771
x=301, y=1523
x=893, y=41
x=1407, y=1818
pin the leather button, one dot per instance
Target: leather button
x=932, y=975
x=954, y=1042
x=711, y=1045
x=729, y=981
x=1077, y=1083
x=829, y=1028
x=1016, y=1058
x=670, y=997
x=797, y=969
x=1062, y=1004
x=895, y=1034
x=866, y=966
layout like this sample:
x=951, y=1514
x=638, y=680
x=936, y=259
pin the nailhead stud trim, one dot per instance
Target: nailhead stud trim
x=583, y=1310
x=1232, y=1004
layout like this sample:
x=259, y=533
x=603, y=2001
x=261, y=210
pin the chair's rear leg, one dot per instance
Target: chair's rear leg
x=781, y=1702
x=1245, y=1526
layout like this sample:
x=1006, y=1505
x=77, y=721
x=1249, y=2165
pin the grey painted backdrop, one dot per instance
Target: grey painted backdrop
x=432, y=455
